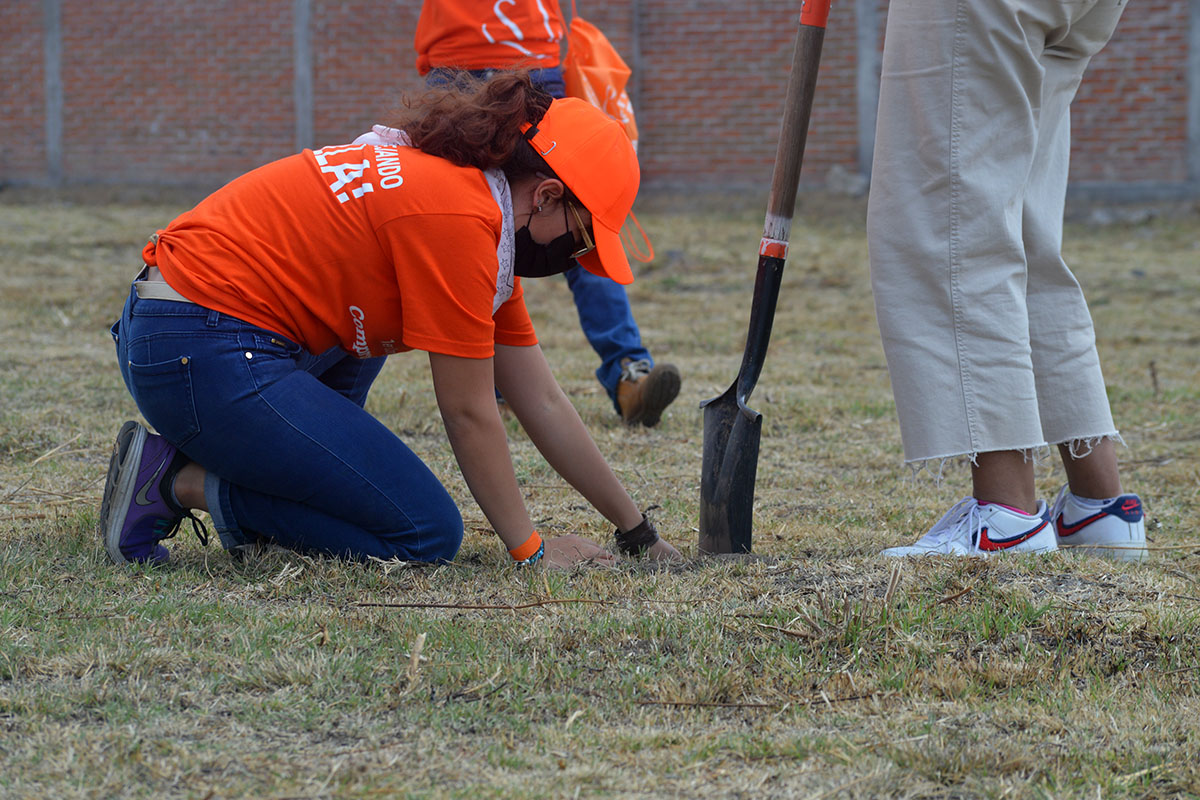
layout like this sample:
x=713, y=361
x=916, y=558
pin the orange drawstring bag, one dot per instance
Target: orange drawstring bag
x=594, y=71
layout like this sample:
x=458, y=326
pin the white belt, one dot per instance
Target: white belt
x=149, y=285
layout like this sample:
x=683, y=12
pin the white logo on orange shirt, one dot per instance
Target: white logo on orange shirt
x=388, y=167
x=517, y=33
x=346, y=173
x=360, y=333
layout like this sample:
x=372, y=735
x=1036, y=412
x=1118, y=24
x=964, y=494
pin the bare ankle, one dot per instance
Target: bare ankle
x=189, y=487
x=1095, y=475
x=1005, y=477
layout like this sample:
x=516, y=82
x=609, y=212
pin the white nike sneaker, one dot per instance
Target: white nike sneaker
x=1114, y=528
x=971, y=529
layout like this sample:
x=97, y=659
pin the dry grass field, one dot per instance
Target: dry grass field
x=814, y=669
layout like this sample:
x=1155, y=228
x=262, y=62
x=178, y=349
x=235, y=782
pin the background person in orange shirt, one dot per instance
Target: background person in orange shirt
x=481, y=37
x=251, y=338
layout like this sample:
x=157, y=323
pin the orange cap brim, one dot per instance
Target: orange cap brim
x=608, y=260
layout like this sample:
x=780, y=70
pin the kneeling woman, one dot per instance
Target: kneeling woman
x=251, y=339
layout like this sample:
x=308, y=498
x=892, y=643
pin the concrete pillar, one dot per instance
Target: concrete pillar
x=53, y=88
x=1193, y=92
x=866, y=78
x=302, y=86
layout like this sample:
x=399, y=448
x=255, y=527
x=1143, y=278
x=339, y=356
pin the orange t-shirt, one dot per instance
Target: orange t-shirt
x=379, y=249
x=488, y=34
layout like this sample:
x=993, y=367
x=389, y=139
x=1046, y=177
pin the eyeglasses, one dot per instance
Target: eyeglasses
x=588, y=244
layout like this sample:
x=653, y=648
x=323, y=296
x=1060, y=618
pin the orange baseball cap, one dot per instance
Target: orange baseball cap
x=590, y=153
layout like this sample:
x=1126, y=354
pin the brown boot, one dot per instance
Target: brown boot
x=643, y=392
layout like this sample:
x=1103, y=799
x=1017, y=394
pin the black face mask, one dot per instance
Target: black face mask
x=533, y=260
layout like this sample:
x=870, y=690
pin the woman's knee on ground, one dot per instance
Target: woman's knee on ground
x=436, y=537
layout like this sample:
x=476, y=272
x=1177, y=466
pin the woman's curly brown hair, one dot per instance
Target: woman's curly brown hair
x=476, y=123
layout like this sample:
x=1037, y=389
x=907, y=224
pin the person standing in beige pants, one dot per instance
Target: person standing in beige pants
x=988, y=338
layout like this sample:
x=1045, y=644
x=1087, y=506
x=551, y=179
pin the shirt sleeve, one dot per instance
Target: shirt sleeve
x=513, y=326
x=446, y=269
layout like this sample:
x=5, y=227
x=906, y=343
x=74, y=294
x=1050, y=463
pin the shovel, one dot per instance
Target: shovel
x=731, y=428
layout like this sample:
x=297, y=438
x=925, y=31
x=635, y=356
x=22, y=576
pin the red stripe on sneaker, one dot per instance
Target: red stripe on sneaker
x=1067, y=530
x=1003, y=544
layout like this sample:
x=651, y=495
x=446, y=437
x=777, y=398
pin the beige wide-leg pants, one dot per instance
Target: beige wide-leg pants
x=988, y=338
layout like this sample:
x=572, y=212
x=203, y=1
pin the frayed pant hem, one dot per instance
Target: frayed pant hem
x=1082, y=447
x=1037, y=453
x=1079, y=447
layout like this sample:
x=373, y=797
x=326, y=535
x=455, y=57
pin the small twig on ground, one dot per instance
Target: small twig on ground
x=687, y=704
x=14, y=492
x=648, y=601
x=1181, y=574
x=822, y=700
x=64, y=501
x=1148, y=770
x=951, y=598
x=787, y=631
x=1182, y=669
x=74, y=497
x=54, y=450
x=489, y=682
x=893, y=584
x=894, y=742
x=474, y=607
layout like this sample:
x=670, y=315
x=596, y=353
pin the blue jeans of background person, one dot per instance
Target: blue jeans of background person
x=292, y=456
x=603, y=305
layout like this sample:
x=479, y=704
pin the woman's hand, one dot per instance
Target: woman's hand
x=662, y=550
x=643, y=541
x=564, y=552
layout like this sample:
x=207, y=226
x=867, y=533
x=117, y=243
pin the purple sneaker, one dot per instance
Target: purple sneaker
x=137, y=512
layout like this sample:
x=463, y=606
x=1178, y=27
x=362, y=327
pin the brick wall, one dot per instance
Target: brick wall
x=175, y=91
x=363, y=63
x=179, y=89
x=713, y=80
x=1130, y=116
x=22, y=96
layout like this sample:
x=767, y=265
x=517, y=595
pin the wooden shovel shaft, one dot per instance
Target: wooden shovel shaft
x=731, y=428
x=793, y=133
x=781, y=204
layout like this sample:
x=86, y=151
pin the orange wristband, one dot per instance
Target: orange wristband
x=524, y=551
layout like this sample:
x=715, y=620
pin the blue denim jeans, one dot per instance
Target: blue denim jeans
x=603, y=305
x=292, y=456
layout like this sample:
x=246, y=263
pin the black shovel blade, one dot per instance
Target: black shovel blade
x=731, y=435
